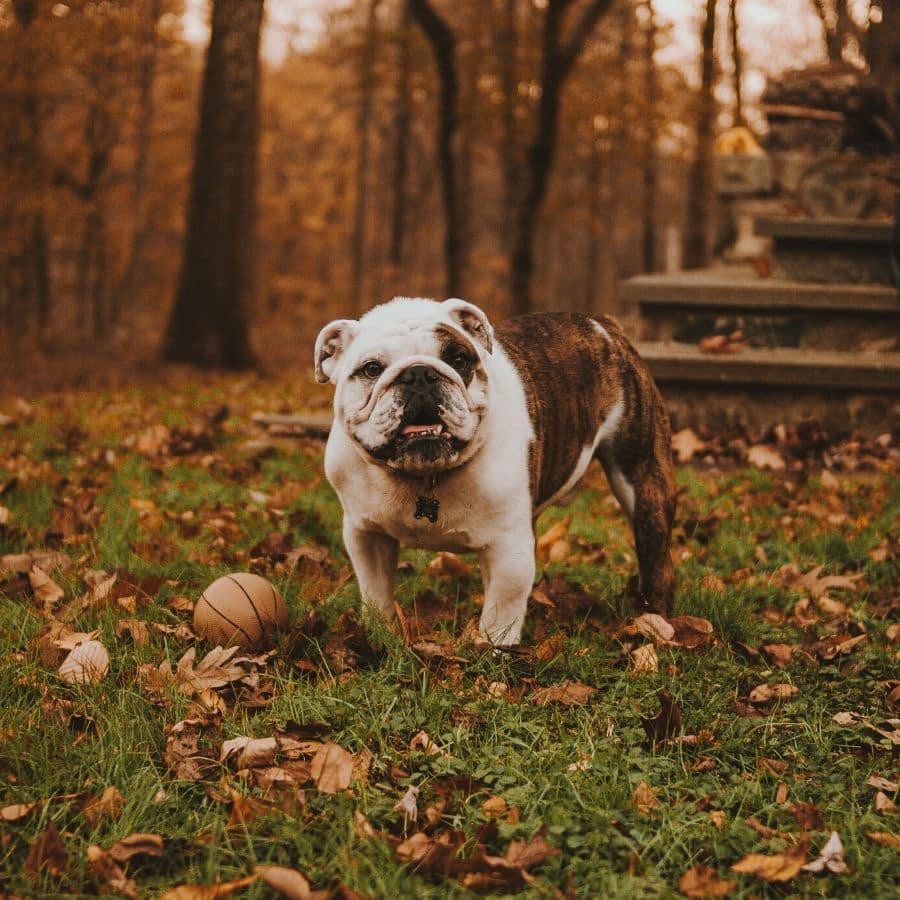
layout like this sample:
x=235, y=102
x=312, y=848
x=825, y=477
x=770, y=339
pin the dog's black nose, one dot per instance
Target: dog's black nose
x=418, y=376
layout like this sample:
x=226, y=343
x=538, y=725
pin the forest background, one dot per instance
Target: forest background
x=525, y=154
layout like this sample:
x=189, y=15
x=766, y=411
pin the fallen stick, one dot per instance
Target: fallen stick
x=315, y=425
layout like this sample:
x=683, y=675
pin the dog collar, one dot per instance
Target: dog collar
x=427, y=505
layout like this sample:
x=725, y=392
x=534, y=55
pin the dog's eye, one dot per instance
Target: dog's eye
x=372, y=369
x=460, y=361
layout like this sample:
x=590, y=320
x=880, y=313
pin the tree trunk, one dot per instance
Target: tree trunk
x=443, y=44
x=35, y=276
x=363, y=122
x=700, y=178
x=150, y=12
x=507, y=42
x=737, y=60
x=649, y=173
x=208, y=324
x=557, y=59
x=402, y=120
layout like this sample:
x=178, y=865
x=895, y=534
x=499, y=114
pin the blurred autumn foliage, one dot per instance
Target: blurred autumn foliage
x=568, y=149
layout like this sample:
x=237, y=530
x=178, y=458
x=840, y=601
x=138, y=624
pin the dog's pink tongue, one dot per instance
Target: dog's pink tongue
x=417, y=429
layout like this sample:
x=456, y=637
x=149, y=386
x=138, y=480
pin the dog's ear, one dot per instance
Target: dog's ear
x=333, y=340
x=472, y=321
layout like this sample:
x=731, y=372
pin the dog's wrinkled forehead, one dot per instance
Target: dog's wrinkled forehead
x=405, y=327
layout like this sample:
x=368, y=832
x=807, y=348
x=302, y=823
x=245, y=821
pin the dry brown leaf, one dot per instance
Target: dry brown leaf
x=691, y=632
x=88, y=663
x=652, y=626
x=46, y=591
x=712, y=582
x=104, y=867
x=883, y=803
x=809, y=817
x=776, y=867
x=137, y=844
x=884, y=838
x=332, y=768
x=48, y=852
x=703, y=881
x=667, y=722
x=765, y=456
x=760, y=828
x=569, y=693
x=23, y=563
x=421, y=742
x=247, y=753
x=778, y=654
x=288, y=882
x=16, y=811
x=717, y=817
x=644, y=659
x=643, y=799
x=766, y=693
x=136, y=628
x=686, y=445
x=208, y=891
x=448, y=565
x=183, y=754
x=884, y=784
x=494, y=807
x=408, y=804
x=108, y=805
x=556, y=532
x=550, y=647
x=831, y=858
x=362, y=826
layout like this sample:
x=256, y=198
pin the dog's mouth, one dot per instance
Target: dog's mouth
x=415, y=431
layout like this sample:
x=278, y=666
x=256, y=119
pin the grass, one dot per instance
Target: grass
x=171, y=522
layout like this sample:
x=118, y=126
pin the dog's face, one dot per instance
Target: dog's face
x=411, y=381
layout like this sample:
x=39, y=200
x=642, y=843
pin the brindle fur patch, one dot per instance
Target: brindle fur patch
x=573, y=376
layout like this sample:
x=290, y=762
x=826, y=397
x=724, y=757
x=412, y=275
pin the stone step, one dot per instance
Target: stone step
x=771, y=312
x=855, y=251
x=845, y=391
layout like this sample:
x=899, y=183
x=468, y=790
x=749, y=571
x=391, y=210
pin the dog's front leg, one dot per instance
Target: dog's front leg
x=507, y=570
x=374, y=558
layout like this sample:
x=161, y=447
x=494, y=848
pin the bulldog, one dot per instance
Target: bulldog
x=451, y=434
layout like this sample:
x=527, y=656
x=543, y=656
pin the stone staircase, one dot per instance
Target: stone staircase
x=819, y=337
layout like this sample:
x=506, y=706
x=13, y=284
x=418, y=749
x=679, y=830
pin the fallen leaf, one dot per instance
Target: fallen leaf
x=766, y=693
x=760, y=828
x=332, y=768
x=288, y=882
x=208, y=891
x=686, y=445
x=845, y=718
x=421, y=742
x=765, y=456
x=809, y=817
x=448, y=565
x=494, y=807
x=776, y=867
x=137, y=629
x=108, y=805
x=407, y=805
x=569, y=693
x=644, y=659
x=778, y=654
x=554, y=533
x=884, y=838
x=883, y=803
x=46, y=591
x=703, y=881
x=652, y=626
x=16, y=811
x=884, y=784
x=47, y=853
x=643, y=799
x=248, y=753
x=183, y=754
x=115, y=880
x=139, y=843
x=717, y=816
x=830, y=858
x=551, y=647
x=691, y=632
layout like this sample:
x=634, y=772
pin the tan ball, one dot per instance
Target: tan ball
x=240, y=610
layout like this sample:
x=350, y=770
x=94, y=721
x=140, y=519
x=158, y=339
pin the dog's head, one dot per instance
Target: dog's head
x=411, y=381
